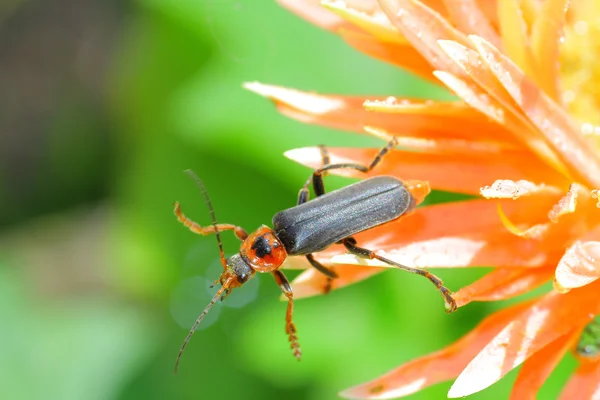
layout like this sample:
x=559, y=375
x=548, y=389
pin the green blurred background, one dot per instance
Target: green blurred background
x=104, y=104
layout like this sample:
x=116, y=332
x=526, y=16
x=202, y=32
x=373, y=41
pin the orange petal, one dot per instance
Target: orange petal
x=469, y=18
x=508, y=189
x=537, y=231
x=315, y=13
x=423, y=27
x=492, y=95
x=417, y=118
x=462, y=234
x=472, y=95
x=595, y=194
x=361, y=24
x=530, y=9
x=402, y=55
x=438, y=6
x=504, y=283
x=437, y=367
x=584, y=384
x=372, y=21
x=490, y=10
x=457, y=172
x=514, y=34
x=454, y=147
x=392, y=105
x=550, y=318
x=580, y=265
x=538, y=367
x=546, y=34
x=561, y=134
x=563, y=215
x=329, y=110
x=312, y=282
x=567, y=203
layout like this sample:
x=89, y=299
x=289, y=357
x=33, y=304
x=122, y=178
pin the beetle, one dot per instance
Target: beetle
x=309, y=227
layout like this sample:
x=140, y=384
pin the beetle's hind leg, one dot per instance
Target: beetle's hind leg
x=290, y=327
x=317, y=176
x=451, y=306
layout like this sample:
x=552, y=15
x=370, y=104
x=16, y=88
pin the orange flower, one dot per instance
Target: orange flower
x=524, y=135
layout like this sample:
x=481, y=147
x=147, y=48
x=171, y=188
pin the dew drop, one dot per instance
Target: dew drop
x=587, y=128
x=596, y=195
x=580, y=27
x=568, y=96
x=559, y=288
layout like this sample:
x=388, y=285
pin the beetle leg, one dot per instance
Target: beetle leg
x=290, y=327
x=384, y=150
x=323, y=269
x=350, y=244
x=196, y=228
x=225, y=294
x=328, y=272
x=324, y=154
x=304, y=193
x=317, y=176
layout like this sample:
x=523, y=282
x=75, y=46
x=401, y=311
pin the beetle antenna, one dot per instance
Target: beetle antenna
x=212, y=212
x=200, y=318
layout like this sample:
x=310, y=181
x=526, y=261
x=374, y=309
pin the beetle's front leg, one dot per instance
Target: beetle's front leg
x=328, y=272
x=290, y=327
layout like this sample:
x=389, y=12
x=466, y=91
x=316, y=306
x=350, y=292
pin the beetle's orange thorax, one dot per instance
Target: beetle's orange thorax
x=263, y=251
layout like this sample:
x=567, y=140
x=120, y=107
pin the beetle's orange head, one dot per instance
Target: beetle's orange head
x=263, y=251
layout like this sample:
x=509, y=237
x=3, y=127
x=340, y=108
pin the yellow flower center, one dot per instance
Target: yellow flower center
x=580, y=66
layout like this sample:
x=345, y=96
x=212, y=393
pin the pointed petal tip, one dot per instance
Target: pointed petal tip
x=304, y=155
x=257, y=87
x=478, y=39
x=578, y=267
x=333, y=4
x=454, y=394
x=358, y=393
x=353, y=394
x=462, y=388
x=377, y=132
x=347, y=394
x=456, y=51
x=379, y=390
x=444, y=43
x=442, y=76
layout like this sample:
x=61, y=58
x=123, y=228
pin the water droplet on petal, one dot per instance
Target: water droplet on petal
x=587, y=128
x=557, y=286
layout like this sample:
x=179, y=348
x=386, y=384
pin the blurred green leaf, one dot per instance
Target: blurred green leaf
x=87, y=348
